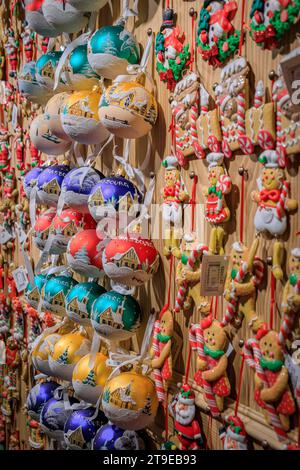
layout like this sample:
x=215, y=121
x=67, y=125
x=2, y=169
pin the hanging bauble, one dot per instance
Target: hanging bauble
x=78, y=185
x=36, y=20
x=116, y=316
x=88, y=5
x=127, y=109
x=111, y=437
x=30, y=180
x=53, y=417
x=45, y=70
x=130, y=261
x=81, y=427
x=49, y=184
x=42, y=228
x=30, y=88
x=65, y=226
x=41, y=351
x=68, y=350
x=111, y=49
x=55, y=292
x=130, y=401
x=44, y=140
x=64, y=17
x=89, y=377
x=80, y=119
x=38, y=396
x=33, y=292
x=53, y=111
x=77, y=73
x=80, y=299
x=84, y=254
x=114, y=194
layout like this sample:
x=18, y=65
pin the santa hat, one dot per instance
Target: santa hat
x=186, y=395
x=296, y=252
x=206, y=322
x=236, y=428
x=270, y=159
x=170, y=163
x=214, y=159
x=263, y=331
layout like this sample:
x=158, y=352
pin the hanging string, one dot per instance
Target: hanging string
x=193, y=202
x=192, y=60
x=242, y=214
x=239, y=386
x=242, y=28
x=272, y=306
x=167, y=4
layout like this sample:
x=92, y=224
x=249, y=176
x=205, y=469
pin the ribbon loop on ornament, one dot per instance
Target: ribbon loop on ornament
x=27, y=262
x=127, y=11
x=45, y=253
x=94, y=349
x=129, y=169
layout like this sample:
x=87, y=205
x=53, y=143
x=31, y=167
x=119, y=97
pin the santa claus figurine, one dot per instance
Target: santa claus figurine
x=234, y=437
x=186, y=426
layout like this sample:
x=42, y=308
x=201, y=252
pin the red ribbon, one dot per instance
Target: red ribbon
x=270, y=194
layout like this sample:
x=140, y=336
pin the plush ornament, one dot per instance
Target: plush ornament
x=38, y=396
x=49, y=184
x=172, y=56
x=36, y=20
x=41, y=351
x=65, y=226
x=30, y=88
x=64, y=17
x=33, y=293
x=80, y=299
x=245, y=274
x=84, y=254
x=232, y=98
x=81, y=428
x=271, y=19
x=113, y=197
x=88, y=5
x=77, y=72
x=208, y=124
x=130, y=261
x=116, y=316
x=56, y=290
x=77, y=187
x=111, y=49
x=67, y=351
x=174, y=195
x=234, y=436
x=42, y=228
x=129, y=401
x=186, y=426
x=217, y=38
x=89, y=377
x=53, y=111
x=111, y=437
x=53, y=417
x=43, y=138
x=30, y=180
x=80, y=117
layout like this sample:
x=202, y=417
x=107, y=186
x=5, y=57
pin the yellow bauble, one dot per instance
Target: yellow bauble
x=127, y=109
x=66, y=353
x=41, y=350
x=53, y=111
x=89, y=377
x=80, y=119
x=130, y=401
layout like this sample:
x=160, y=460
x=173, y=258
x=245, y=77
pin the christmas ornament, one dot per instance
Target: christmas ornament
x=5, y=149
x=234, y=436
x=84, y=254
x=14, y=441
x=41, y=350
x=45, y=70
x=29, y=87
x=88, y=5
x=81, y=428
x=80, y=117
x=35, y=439
x=174, y=195
x=43, y=138
x=54, y=415
x=36, y=20
x=232, y=98
x=55, y=291
x=186, y=426
x=80, y=299
x=89, y=377
x=12, y=46
x=38, y=396
x=52, y=113
x=77, y=72
x=28, y=41
x=63, y=17
x=116, y=316
x=129, y=400
x=42, y=228
x=172, y=56
x=49, y=184
x=13, y=362
x=110, y=437
x=67, y=351
x=33, y=292
x=18, y=147
x=5, y=312
x=208, y=125
x=217, y=38
x=111, y=49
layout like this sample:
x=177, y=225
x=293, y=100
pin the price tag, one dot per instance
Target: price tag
x=290, y=66
x=5, y=235
x=20, y=278
x=213, y=275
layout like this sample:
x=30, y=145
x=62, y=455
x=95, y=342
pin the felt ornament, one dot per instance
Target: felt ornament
x=36, y=20
x=274, y=203
x=208, y=125
x=88, y=5
x=30, y=88
x=81, y=427
x=80, y=299
x=129, y=400
x=80, y=119
x=244, y=276
x=172, y=56
x=67, y=351
x=84, y=254
x=52, y=113
x=30, y=180
x=233, y=435
x=265, y=356
x=174, y=196
x=211, y=343
x=38, y=396
x=41, y=351
x=77, y=72
x=186, y=426
x=271, y=19
x=113, y=438
x=127, y=109
x=217, y=212
x=63, y=16
x=77, y=187
x=44, y=140
x=45, y=70
x=42, y=228
x=89, y=377
x=232, y=98
x=111, y=49
x=217, y=39
x=54, y=415
x=56, y=290
x=115, y=316
x=49, y=184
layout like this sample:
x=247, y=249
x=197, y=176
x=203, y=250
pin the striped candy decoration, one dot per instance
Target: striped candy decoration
x=194, y=117
x=158, y=379
x=224, y=184
x=241, y=112
x=280, y=208
x=253, y=356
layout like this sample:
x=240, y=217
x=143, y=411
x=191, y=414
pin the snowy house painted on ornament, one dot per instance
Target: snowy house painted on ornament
x=76, y=438
x=52, y=187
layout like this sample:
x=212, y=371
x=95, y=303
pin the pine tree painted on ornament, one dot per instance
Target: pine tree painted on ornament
x=90, y=379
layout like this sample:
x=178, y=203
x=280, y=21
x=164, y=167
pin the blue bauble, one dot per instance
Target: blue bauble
x=55, y=292
x=80, y=299
x=80, y=75
x=111, y=49
x=30, y=179
x=78, y=185
x=45, y=70
x=49, y=184
x=30, y=88
x=38, y=396
x=33, y=293
x=80, y=429
x=53, y=417
x=110, y=437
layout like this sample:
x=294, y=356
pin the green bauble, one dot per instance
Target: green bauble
x=80, y=76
